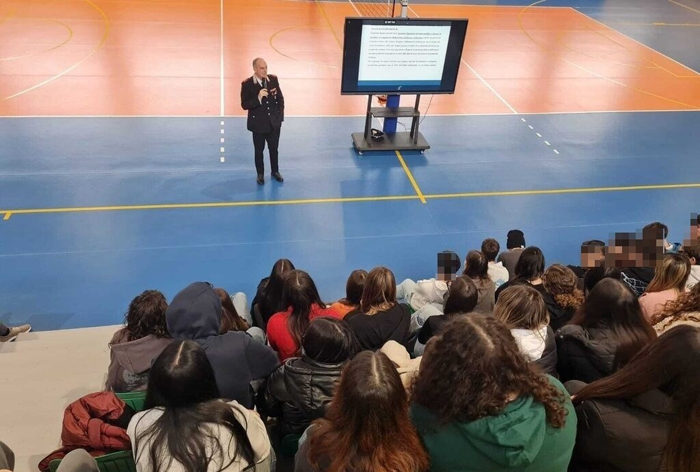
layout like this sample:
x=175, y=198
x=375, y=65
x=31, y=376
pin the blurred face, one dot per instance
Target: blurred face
x=592, y=259
x=260, y=68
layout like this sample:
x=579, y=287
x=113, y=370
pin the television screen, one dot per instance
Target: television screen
x=401, y=55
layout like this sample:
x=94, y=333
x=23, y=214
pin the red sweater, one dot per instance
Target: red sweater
x=281, y=339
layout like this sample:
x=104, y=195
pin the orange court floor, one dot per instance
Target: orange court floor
x=187, y=58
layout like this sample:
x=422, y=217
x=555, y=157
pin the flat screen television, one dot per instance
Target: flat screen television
x=401, y=55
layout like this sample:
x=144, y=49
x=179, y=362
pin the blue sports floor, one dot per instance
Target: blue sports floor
x=99, y=209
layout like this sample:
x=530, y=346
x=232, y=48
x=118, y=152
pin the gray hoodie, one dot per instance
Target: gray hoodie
x=130, y=361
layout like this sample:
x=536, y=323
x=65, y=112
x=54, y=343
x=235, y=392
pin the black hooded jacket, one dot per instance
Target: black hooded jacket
x=237, y=359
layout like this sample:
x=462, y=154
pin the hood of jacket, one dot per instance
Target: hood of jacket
x=194, y=313
x=137, y=356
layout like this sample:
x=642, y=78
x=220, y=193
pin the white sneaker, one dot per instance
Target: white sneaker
x=14, y=332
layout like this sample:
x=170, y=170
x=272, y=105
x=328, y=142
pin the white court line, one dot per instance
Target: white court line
x=222, y=59
x=591, y=112
x=498, y=95
x=632, y=39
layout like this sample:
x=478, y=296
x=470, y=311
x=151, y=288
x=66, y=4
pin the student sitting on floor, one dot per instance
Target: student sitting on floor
x=353, y=293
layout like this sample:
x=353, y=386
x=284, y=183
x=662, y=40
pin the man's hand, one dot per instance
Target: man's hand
x=262, y=94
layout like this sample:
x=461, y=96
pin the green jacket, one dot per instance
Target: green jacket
x=518, y=439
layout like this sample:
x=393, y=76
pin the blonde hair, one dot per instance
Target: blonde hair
x=521, y=307
x=561, y=283
x=672, y=274
x=379, y=293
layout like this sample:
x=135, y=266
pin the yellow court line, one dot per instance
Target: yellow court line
x=684, y=6
x=340, y=44
x=24, y=56
x=562, y=191
x=99, y=45
x=419, y=196
x=410, y=177
x=294, y=58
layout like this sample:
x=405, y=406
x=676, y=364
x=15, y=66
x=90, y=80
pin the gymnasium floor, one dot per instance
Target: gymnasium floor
x=572, y=119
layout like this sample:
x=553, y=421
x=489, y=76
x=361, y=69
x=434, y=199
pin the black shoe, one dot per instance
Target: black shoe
x=277, y=176
x=261, y=179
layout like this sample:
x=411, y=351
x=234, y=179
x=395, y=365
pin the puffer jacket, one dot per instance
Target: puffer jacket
x=96, y=423
x=548, y=361
x=586, y=354
x=298, y=392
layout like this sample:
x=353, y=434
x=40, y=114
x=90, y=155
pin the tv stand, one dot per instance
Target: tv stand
x=411, y=140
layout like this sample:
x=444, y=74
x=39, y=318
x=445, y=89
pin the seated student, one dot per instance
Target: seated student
x=380, y=318
x=476, y=268
x=303, y=303
x=523, y=310
x=604, y=335
x=461, y=300
x=497, y=272
x=299, y=391
x=237, y=358
x=644, y=417
x=668, y=248
x=366, y=427
x=596, y=274
x=186, y=427
x=10, y=333
x=430, y=291
x=268, y=299
x=515, y=244
x=528, y=270
x=134, y=347
x=230, y=319
x=479, y=405
x=353, y=293
x=563, y=298
x=693, y=254
x=592, y=255
x=668, y=282
x=685, y=310
x=635, y=256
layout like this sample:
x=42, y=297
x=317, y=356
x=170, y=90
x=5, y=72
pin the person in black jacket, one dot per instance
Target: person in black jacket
x=300, y=389
x=604, y=335
x=262, y=97
x=643, y=418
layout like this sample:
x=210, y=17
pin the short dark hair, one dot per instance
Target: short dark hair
x=596, y=274
x=490, y=248
x=594, y=245
x=146, y=316
x=461, y=297
x=654, y=227
x=330, y=341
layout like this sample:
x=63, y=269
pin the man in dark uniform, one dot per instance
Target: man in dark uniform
x=262, y=97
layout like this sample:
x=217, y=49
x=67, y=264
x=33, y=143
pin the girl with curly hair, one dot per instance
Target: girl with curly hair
x=479, y=405
x=684, y=310
x=562, y=295
x=135, y=346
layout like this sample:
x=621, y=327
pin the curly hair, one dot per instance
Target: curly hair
x=146, y=316
x=473, y=369
x=561, y=283
x=686, y=302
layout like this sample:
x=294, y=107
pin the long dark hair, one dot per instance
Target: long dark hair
x=461, y=297
x=611, y=303
x=473, y=367
x=230, y=319
x=367, y=427
x=272, y=293
x=182, y=384
x=146, y=316
x=530, y=264
x=299, y=294
x=354, y=287
x=672, y=364
x=330, y=341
